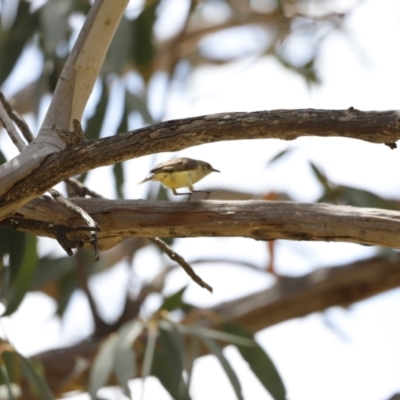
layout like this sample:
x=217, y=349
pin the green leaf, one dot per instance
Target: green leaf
x=95, y=122
x=118, y=169
x=260, y=363
x=139, y=104
x=5, y=379
x=118, y=172
x=149, y=353
x=51, y=269
x=124, y=356
x=13, y=41
x=117, y=58
x=143, y=50
x=54, y=20
x=217, y=351
x=36, y=382
x=174, y=301
x=360, y=198
x=191, y=356
x=23, y=279
x=2, y=158
x=217, y=335
x=279, y=156
x=168, y=361
x=12, y=243
x=66, y=287
x=102, y=365
x=12, y=364
x=320, y=176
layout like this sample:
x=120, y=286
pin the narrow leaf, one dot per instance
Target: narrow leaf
x=174, y=301
x=216, y=335
x=320, y=176
x=168, y=361
x=95, y=122
x=6, y=381
x=260, y=363
x=124, y=355
x=118, y=169
x=217, y=351
x=279, y=156
x=37, y=383
x=102, y=365
x=13, y=41
x=23, y=280
x=149, y=355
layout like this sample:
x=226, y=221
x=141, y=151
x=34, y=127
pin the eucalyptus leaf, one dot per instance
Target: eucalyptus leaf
x=124, y=355
x=102, y=365
x=216, y=335
x=174, y=301
x=14, y=40
x=217, y=351
x=168, y=361
x=142, y=47
x=37, y=383
x=5, y=379
x=21, y=284
x=149, y=355
x=279, y=156
x=260, y=363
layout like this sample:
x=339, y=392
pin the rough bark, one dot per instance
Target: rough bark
x=70, y=97
x=260, y=220
x=374, y=126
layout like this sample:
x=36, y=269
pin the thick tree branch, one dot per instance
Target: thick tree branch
x=72, y=92
x=287, y=299
x=376, y=127
x=260, y=220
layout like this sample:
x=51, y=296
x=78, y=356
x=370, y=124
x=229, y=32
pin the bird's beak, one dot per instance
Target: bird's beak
x=215, y=170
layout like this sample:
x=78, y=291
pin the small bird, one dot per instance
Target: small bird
x=179, y=173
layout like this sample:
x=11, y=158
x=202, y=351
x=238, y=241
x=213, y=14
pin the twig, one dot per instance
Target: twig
x=57, y=230
x=86, y=217
x=5, y=117
x=181, y=261
x=80, y=190
x=18, y=119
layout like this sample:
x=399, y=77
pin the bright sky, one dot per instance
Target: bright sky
x=361, y=358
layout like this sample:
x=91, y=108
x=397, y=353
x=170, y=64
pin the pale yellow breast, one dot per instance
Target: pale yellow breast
x=178, y=179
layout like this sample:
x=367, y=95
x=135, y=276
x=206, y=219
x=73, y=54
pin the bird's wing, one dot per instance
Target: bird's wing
x=179, y=164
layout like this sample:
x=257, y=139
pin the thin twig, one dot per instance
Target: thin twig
x=18, y=119
x=5, y=117
x=181, y=261
x=59, y=231
x=86, y=217
x=80, y=190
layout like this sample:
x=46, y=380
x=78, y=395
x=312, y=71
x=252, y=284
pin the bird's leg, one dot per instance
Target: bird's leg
x=202, y=191
x=182, y=194
x=199, y=191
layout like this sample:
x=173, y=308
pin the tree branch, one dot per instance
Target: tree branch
x=287, y=299
x=174, y=256
x=260, y=220
x=72, y=92
x=373, y=126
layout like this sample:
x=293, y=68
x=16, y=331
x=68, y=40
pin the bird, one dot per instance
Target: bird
x=179, y=173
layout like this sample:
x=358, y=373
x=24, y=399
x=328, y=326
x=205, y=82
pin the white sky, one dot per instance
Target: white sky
x=315, y=361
